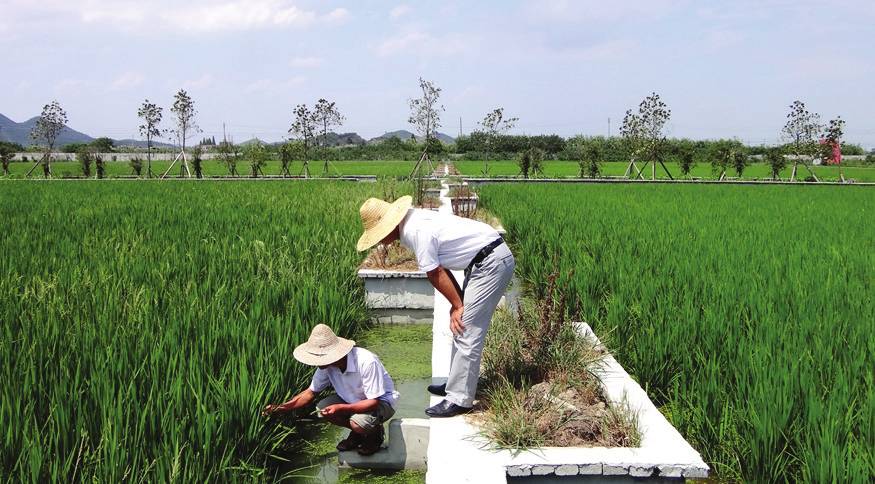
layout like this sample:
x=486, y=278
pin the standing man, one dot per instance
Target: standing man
x=365, y=395
x=443, y=243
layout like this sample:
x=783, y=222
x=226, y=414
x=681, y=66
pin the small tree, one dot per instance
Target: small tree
x=740, y=161
x=83, y=155
x=327, y=115
x=654, y=116
x=229, y=153
x=46, y=131
x=531, y=161
x=99, y=165
x=7, y=152
x=425, y=116
x=103, y=144
x=800, y=131
x=721, y=158
x=197, y=161
x=832, y=141
x=304, y=128
x=136, y=165
x=590, y=160
x=257, y=155
x=287, y=153
x=494, y=125
x=186, y=126
x=776, y=160
x=151, y=115
x=632, y=133
x=686, y=159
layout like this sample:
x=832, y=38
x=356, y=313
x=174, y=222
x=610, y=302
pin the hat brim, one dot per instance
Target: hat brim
x=393, y=216
x=304, y=353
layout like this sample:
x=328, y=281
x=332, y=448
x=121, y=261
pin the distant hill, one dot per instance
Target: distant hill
x=405, y=135
x=341, y=139
x=20, y=133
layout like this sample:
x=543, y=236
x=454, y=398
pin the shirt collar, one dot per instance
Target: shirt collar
x=351, y=362
x=404, y=220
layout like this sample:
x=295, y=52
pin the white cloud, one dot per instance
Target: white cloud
x=336, y=16
x=273, y=85
x=201, y=82
x=399, y=11
x=306, y=62
x=424, y=44
x=127, y=81
x=193, y=16
x=597, y=11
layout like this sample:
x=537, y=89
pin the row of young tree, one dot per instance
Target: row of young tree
x=642, y=140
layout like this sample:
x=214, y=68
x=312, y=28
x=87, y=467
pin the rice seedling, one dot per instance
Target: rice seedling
x=146, y=325
x=745, y=312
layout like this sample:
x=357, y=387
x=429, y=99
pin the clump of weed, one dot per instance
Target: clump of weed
x=539, y=384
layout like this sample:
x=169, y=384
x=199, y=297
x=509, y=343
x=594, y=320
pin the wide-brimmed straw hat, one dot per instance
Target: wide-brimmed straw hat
x=323, y=348
x=379, y=219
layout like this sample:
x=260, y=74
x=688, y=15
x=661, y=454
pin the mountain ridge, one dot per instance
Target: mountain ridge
x=15, y=132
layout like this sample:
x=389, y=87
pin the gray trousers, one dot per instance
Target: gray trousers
x=485, y=286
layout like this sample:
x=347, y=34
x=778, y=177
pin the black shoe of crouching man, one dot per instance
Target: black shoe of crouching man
x=372, y=442
x=446, y=409
x=439, y=390
x=351, y=442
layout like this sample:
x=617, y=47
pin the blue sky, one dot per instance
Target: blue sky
x=726, y=69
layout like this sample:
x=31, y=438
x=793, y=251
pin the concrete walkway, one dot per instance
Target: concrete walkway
x=454, y=453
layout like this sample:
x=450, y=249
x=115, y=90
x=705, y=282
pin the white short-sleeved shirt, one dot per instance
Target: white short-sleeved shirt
x=365, y=378
x=445, y=240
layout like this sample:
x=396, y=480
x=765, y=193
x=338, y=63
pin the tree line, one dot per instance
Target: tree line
x=642, y=141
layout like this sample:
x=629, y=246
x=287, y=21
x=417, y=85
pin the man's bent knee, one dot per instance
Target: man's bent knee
x=364, y=423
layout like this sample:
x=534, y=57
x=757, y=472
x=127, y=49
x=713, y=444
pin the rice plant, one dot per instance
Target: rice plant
x=146, y=325
x=745, y=312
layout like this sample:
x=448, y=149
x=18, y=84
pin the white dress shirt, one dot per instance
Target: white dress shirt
x=365, y=378
x=444, y=240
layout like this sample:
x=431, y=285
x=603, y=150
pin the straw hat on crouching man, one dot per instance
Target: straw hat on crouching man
x=443, y=243
x=364, y=397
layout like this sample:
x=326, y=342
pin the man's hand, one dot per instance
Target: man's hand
x=456, y=320
x=271, y=409
x=332, y=410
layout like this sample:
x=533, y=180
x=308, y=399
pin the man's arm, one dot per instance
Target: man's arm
x=362, y=406
x=440, y=279
x=300, y=400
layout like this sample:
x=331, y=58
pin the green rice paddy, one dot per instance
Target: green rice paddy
x=746, y=312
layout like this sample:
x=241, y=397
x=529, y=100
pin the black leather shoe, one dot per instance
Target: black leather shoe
x=439, y=390
x=446, y=409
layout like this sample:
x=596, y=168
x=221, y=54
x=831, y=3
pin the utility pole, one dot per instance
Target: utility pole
x=609, y=127
x=460, y=126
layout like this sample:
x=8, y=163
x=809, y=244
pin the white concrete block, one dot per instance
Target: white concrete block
x=641, y=470
x=615, y=470
x=695, y=473
x=670, y=471
x=408, y=448
x=519, y=471
x=590, y=469
x=567, y=470
x=543, y=470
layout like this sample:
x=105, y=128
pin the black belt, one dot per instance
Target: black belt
x=484, y=253
x=478, y=258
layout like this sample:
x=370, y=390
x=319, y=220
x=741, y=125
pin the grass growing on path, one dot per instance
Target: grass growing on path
x=745, y=312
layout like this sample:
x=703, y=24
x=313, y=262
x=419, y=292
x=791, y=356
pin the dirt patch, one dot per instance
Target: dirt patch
x=394, y=257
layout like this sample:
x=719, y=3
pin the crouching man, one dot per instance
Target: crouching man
x=365, y=395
